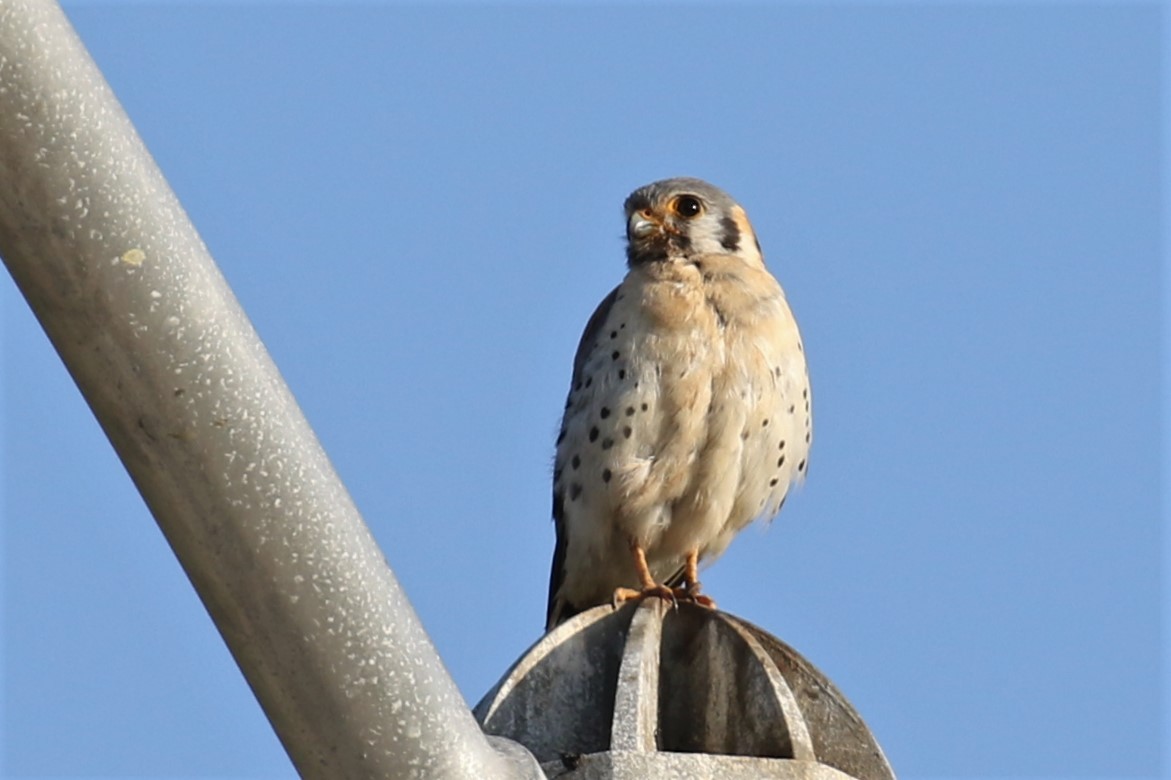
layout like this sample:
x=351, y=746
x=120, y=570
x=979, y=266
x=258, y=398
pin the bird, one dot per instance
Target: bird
x=688, y=414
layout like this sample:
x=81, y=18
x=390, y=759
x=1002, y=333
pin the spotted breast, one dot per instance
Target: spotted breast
x=689, y=409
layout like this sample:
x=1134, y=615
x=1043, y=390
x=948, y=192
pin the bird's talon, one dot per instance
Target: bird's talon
x=690, y=593
x=704, y=601
x=622, y=595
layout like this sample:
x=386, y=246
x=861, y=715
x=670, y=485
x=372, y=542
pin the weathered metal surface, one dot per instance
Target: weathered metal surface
x=651, y=690
x=169, y=363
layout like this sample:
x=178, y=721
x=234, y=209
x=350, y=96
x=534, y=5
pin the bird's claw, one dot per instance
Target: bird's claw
x=697, y=598
x=690, y=592
x=687, y=593
x=622, y=595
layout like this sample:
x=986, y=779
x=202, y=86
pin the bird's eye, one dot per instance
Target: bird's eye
x=687, y=206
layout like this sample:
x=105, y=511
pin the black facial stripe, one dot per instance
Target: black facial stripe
x=731, y=237
x=637, y=255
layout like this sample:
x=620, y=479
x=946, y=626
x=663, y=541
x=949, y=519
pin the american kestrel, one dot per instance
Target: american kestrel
x=688, y=414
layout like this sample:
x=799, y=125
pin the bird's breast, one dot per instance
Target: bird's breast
x=688, y=409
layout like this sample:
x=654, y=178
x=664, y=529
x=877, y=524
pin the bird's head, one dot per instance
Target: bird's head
x=681, y=219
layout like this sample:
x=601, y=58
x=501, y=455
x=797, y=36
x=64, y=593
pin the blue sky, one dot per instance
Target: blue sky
x=420, y=205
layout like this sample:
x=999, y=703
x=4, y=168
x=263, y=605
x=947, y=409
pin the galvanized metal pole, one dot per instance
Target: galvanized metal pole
x=198, y=413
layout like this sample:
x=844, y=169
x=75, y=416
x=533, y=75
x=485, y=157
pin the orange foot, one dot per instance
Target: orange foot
x=690, y=589
x=672, y=595
x=657, y=591
x=689, y=592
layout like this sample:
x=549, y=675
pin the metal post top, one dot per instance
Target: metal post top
x=651, y=690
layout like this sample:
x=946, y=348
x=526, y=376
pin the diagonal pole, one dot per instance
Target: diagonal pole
x=171, y=367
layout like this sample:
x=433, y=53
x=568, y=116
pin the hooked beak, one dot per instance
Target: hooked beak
x=642, y=224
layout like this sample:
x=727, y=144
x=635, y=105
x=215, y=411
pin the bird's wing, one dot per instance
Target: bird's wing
x=597, y=320
x=558, y=610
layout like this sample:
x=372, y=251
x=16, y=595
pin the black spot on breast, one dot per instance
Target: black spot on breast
x=630, y=411
x=764, y=423
x=626, y=431
x=730, y=240
x=607, y=443
x=615, y=355
x=781, y=446
x=606, y=475
x=613, y=334
x=594, y=433
x=808, y=437
x=605, y=412
x=621, y=373
x=589, y=381
x=780, y=461
x=801, y=466
x=574, y=491
x=576, y=462
x=773, y=482
x=644, y=406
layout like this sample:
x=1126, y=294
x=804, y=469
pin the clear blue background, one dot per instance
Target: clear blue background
x=419, y=207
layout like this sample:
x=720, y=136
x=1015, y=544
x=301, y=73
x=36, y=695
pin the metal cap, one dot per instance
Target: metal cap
x=652, y=690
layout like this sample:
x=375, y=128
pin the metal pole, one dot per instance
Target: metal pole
x=210, y=434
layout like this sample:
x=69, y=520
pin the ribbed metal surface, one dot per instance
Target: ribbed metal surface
x=655, y=691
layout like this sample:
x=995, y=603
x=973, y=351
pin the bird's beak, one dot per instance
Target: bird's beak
x=642, y=223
